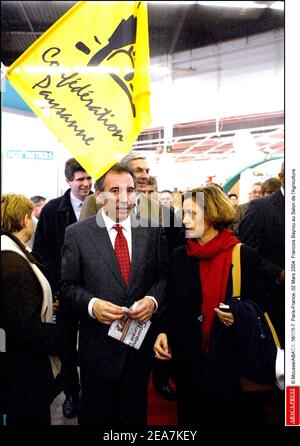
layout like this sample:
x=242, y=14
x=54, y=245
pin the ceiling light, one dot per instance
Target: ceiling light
x=278, y=5
x=234, y=4
x=159, y=70
x=173, y=3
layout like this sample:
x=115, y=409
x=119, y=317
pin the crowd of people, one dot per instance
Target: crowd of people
x=94, y=255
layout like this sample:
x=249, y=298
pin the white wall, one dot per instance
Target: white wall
x=238, y=77
x=171, y=175
x=25, y=136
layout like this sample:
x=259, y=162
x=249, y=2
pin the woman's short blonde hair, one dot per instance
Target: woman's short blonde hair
x=218, y=209
x=13, y=210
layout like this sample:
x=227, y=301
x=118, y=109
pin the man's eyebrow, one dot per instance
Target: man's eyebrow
x=118, y=187
x=83, y=178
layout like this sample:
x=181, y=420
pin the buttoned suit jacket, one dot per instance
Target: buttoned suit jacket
x=90, y=269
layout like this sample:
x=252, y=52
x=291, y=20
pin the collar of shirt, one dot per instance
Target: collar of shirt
x=76, y=205
x=282, y=190
x=76, y=202
x=126, y=226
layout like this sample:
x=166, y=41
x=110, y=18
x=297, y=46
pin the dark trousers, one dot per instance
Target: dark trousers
x=162, y=372
x=195, y=407
x=251, y=405
x=69, y=359
x=41, y=417
x=119, y=402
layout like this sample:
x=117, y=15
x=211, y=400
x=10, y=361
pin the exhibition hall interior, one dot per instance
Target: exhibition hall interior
x=205, y=116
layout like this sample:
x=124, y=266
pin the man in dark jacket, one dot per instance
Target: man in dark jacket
x=109, y=262
x=55, y=217
x=146, y=207
x=263, y=229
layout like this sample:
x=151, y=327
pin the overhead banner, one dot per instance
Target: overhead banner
x=87, y=77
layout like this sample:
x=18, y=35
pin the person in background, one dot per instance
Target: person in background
x=234, y=200
x=55, y=217
x=194, y=331
x=109, y=262
x=151, y=188
x=39, y=202
x=28, y=384
x=262, y=229
x=166, y=198
x=242, y=208
x=270, y=186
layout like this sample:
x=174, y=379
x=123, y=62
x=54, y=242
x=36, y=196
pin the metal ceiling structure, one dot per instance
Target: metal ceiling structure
x=173, y=27
x=213, y=140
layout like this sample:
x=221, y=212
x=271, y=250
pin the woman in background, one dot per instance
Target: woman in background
x=195, y=332
x=28, y=384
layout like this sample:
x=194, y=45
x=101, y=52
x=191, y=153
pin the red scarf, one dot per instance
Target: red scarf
x=214, y=266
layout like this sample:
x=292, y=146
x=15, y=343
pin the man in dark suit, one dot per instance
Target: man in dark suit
x=55, y=217
x=114, y=376
x=146, y=207
x=262, y=228
x=242, y=208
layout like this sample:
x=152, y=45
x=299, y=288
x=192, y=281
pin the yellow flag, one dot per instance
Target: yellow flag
x=87, y=78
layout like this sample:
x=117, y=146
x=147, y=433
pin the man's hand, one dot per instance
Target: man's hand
x=107, y=312
x=144, y=310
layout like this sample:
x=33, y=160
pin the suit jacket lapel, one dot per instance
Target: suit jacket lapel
x=101, y=241
x=137, y=254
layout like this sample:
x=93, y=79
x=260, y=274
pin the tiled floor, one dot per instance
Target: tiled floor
x=57, y=417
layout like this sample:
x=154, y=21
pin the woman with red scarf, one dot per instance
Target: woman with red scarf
x=195, y=332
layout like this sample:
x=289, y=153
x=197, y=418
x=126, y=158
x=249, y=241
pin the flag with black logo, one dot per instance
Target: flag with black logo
x=87, y=77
